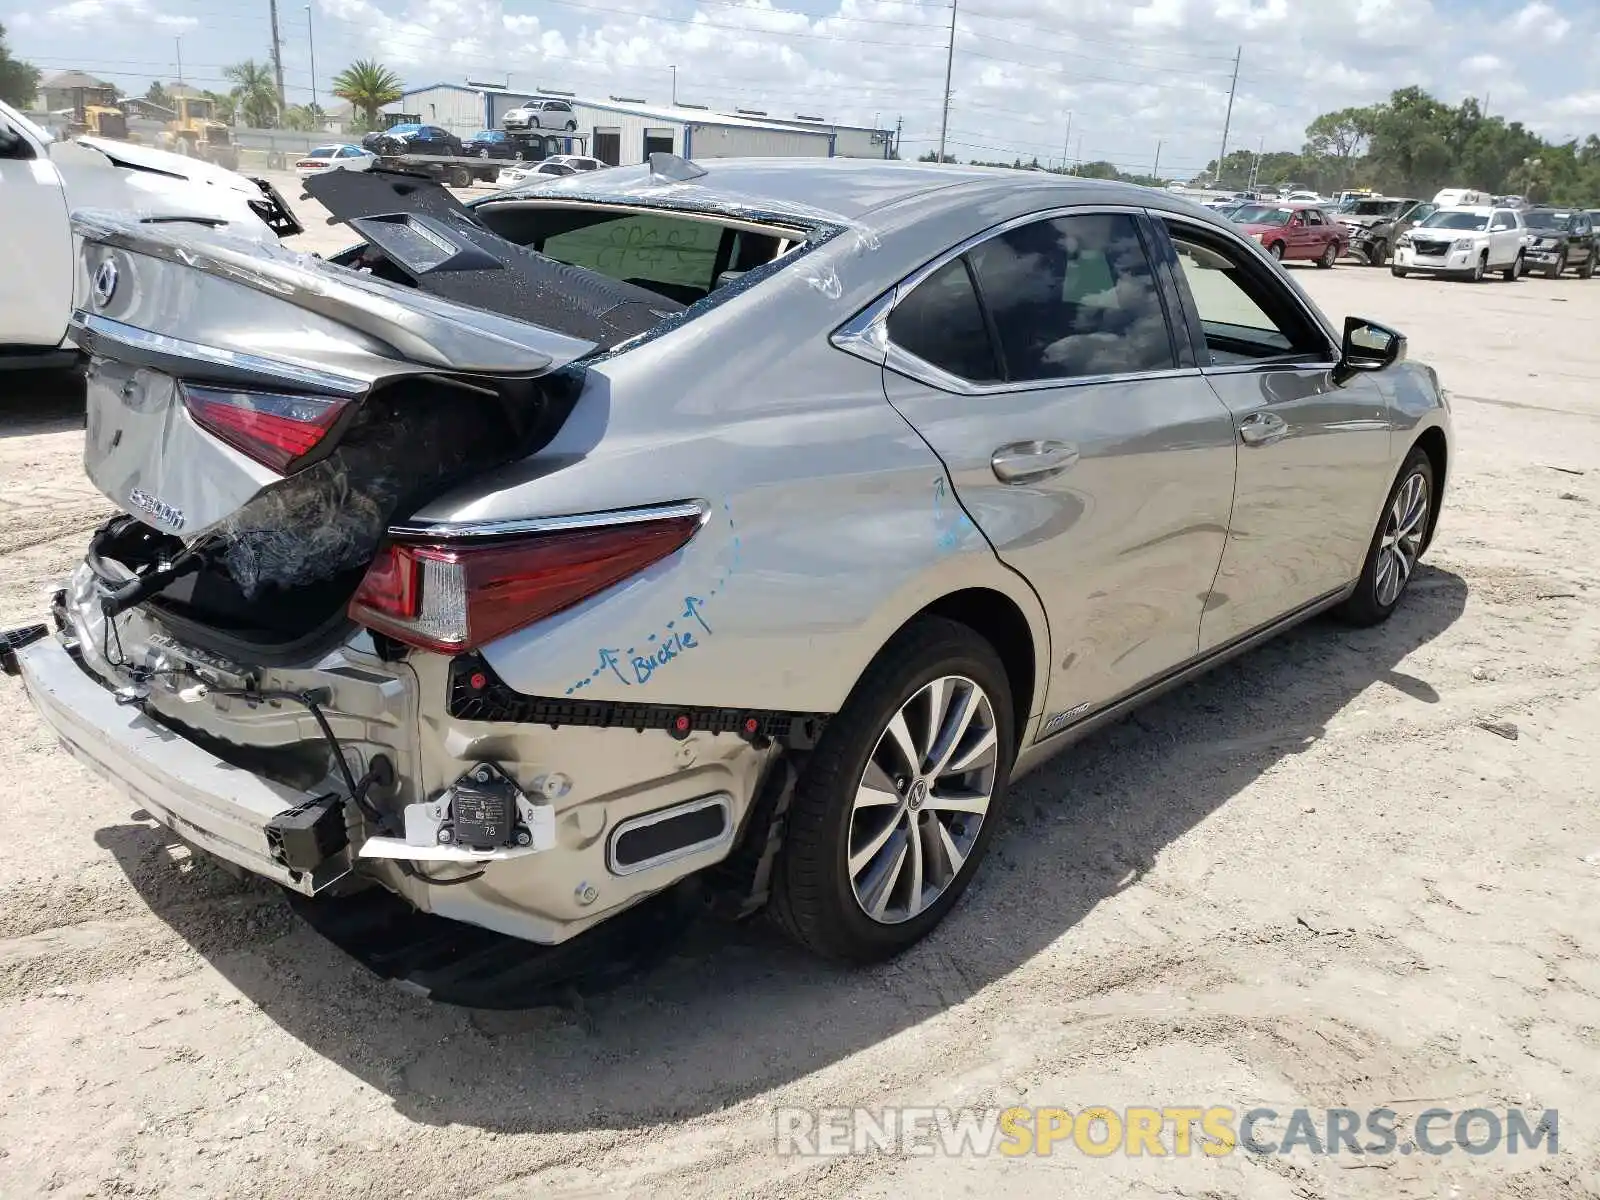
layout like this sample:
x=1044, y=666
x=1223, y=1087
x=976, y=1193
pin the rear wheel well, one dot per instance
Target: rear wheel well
x=995, y=617
x=1432, y=444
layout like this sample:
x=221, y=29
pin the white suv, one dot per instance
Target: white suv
x=1464, y=242
x=541, y=114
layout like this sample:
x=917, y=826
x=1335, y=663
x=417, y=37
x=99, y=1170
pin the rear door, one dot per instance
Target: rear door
x=1079, y=434
x=34, y=303
x=1313, y=462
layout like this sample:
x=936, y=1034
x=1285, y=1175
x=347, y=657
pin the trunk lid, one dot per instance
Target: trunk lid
x=171, y=304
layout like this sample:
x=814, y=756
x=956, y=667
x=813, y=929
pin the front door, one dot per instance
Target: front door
x=1505, y=238
x=1314, y=455
x=1041, y=369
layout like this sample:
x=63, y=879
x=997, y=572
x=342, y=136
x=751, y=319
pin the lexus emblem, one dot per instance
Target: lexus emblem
x=105, y=283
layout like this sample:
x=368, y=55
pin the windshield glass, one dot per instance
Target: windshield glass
x=1261, y=214
x=1457, y=220
x=1547, y=219
x=1374, y=208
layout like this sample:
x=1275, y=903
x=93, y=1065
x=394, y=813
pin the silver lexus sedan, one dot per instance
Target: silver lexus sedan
x=757, y=521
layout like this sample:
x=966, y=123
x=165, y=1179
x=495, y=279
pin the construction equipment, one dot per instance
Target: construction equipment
x=95, y=111
x=197, y=133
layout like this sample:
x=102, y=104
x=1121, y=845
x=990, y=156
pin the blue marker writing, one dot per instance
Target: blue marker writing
x=691, y=609
x=608, y=658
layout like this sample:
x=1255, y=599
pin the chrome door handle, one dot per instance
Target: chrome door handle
x=1262, y=429
x=1029, y=462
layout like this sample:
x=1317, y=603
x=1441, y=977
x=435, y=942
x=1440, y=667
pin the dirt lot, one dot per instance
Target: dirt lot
x=1312, y=879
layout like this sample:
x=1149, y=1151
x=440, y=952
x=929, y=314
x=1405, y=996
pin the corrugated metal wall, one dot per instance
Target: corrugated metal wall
x=714, y=141
x=459, y=112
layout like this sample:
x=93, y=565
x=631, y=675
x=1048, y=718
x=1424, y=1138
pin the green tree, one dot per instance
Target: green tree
x=19, y=81
x=157, y=94
x=1337, y=138
x=255, y=91
x=307, y=118
x=368, y=85
x=225, y=106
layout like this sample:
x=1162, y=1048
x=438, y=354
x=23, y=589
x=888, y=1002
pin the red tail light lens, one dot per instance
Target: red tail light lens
x=455, y=596
x=274, y=428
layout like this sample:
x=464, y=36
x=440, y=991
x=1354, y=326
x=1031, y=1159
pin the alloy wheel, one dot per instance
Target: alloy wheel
x=1401, y=543
x=922, y=799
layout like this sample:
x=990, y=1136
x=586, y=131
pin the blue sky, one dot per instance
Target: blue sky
x=1131, y=73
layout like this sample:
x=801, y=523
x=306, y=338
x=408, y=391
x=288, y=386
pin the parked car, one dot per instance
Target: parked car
x=1303, y=197
x=452, y=580
x=490, y=143
x=1289, y=231
x=1465, y=243
x=1376, y=222
x=1561, y=239
x=334, y=158
x=533, y=172
x=1464, y=198
x=43, y=179
x=417, y=139
x=578, y=162
x=541, y=114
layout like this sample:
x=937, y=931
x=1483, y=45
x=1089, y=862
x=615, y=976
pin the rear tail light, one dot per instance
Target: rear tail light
x=276, y=429
x=454, y=596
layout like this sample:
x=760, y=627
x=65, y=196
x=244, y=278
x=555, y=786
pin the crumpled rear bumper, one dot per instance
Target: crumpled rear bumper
x=216, y=806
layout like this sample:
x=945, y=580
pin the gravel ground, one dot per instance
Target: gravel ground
x=1313, y=878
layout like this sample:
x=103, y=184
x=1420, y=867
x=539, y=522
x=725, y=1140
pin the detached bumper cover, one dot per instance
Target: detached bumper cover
x=218, y=807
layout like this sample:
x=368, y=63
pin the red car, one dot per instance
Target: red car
x=1295, y=231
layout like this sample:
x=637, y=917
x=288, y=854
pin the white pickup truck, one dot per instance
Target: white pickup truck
x=43, y=180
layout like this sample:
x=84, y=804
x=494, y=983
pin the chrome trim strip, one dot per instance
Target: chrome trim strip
x=1264, y=367
x=147, y=342
x=511, y=527
x=718, y=800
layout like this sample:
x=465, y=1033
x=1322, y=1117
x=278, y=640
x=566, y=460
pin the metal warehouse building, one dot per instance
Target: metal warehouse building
x=626, y=132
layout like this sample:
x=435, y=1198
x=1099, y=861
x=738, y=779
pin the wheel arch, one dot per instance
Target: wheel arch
x=999, y=620
x=1432, y=442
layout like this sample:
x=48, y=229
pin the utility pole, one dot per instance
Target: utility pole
x=1228, y=120
x=311, y=41
x=1066, y=143
x=277, y=52
x=1155, y=171
x=674, y=70
x=1255, y=167
x=179, y=42
x=1485, y=106
x=949, y=64
x=898, y=122
x=1077, y=162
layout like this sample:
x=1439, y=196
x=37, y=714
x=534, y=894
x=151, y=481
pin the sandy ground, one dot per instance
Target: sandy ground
x=1311, y=879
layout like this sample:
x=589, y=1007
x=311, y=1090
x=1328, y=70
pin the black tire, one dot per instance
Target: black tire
x=1398, y=272
x=1329, y=256
x=1481, y=268
x=1587, y=270
x=572, y=126
x=1514, y=272
x=1364, y=607
x=484, y=152
x=1556, y=269
x=1378, y=253
x=1276, y=250
x=813, y=900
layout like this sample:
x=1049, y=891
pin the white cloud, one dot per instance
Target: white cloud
x=101, y=14
x=1483, y=64
x=1541, y=21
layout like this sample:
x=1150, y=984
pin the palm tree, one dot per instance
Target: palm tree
x=368, y=85
x=256, y=92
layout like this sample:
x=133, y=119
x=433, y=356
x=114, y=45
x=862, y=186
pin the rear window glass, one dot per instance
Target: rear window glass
x=643, y=248
x=321, y=152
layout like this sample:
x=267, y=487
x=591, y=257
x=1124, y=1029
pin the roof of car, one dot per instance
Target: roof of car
x=846, y=189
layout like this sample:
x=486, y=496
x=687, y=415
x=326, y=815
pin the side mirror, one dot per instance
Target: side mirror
x=1369, y=346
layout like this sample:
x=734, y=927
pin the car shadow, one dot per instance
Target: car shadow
x=734, y=1010
x=41, y=402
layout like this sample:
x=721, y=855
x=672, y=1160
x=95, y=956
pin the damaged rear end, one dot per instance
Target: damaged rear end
x=258, y=650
